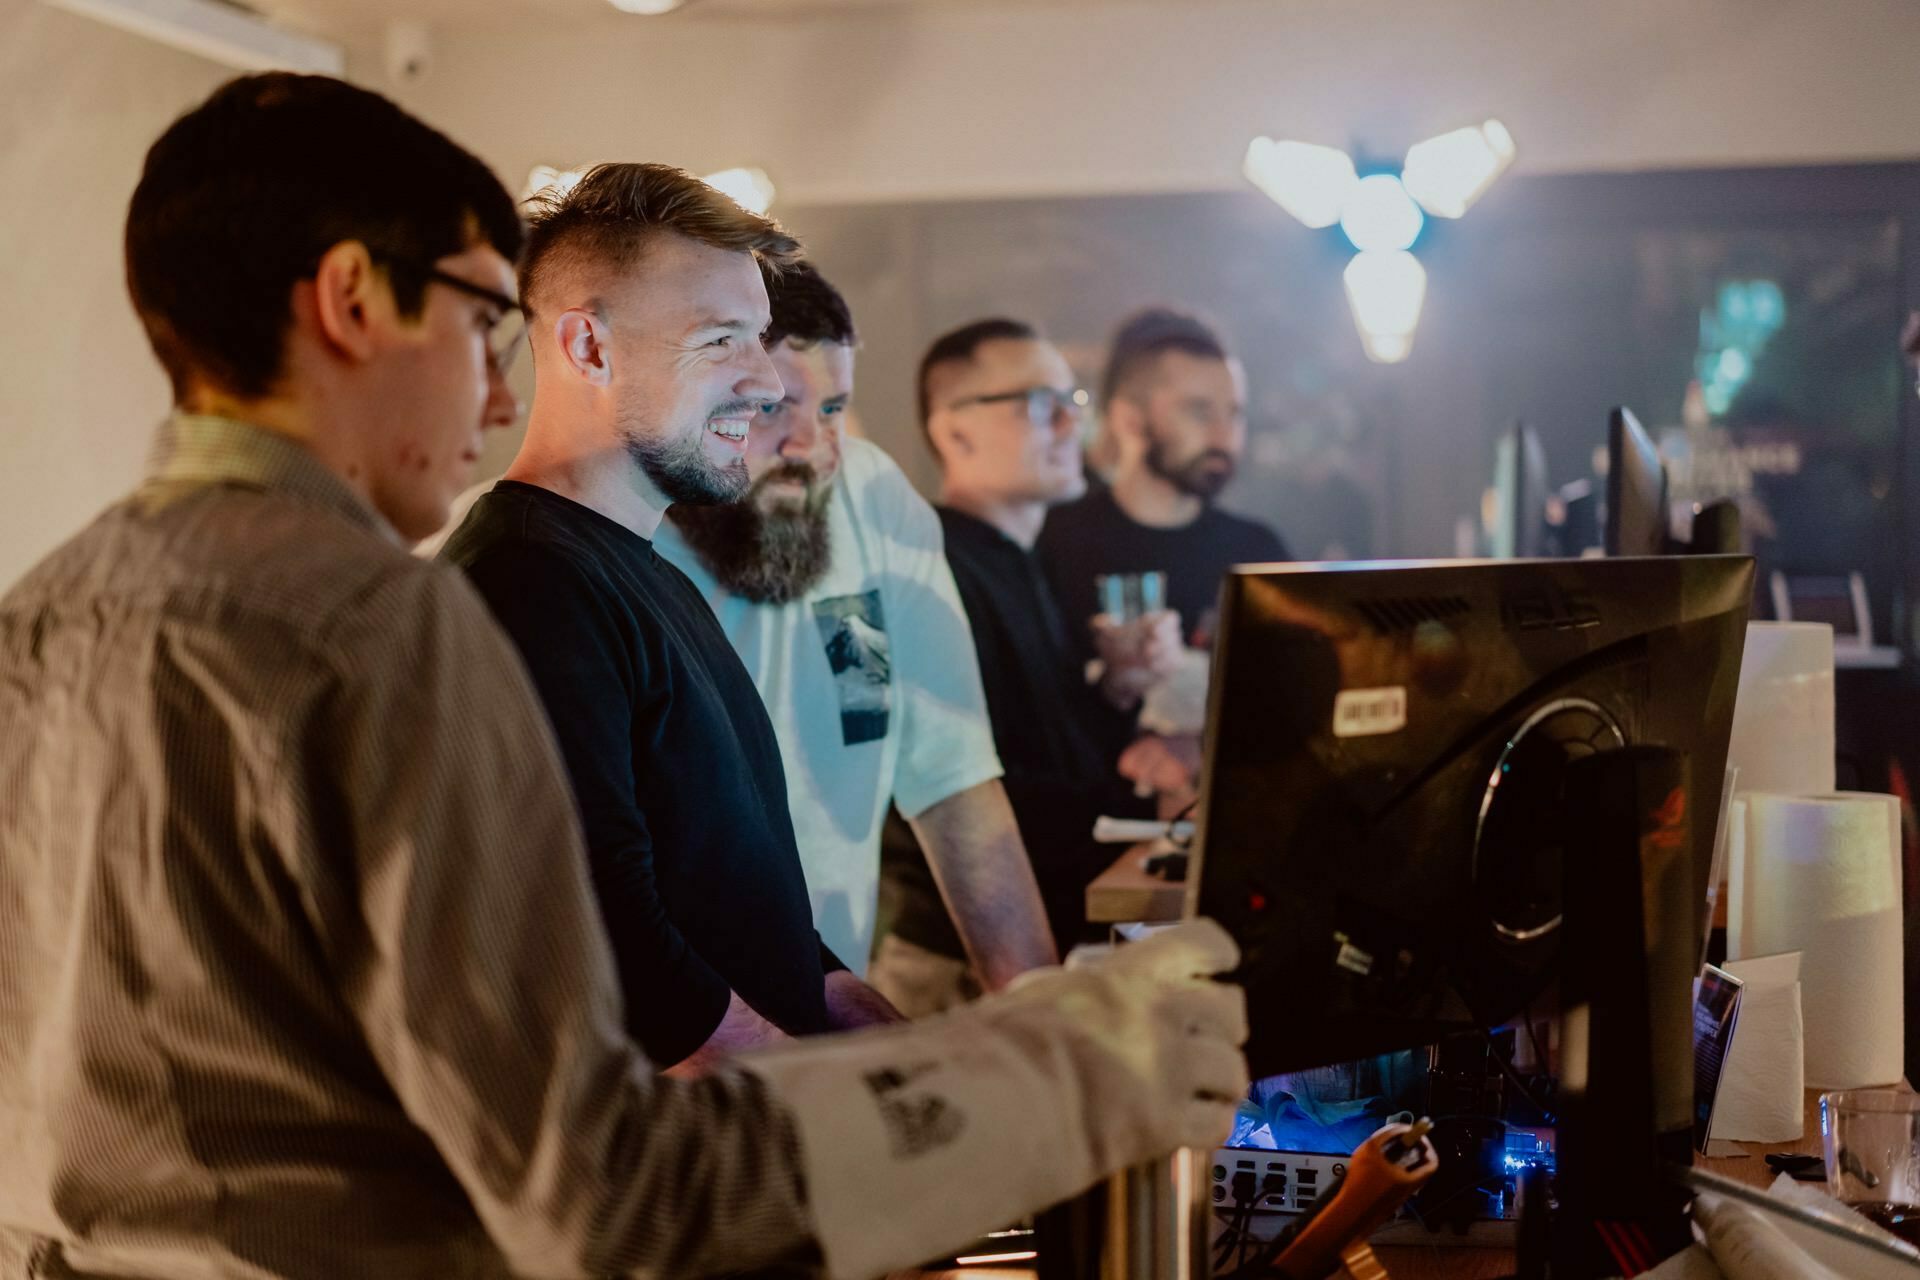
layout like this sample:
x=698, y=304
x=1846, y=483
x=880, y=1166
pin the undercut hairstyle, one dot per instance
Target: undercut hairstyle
x=1146, y=336
x=603, y=223
x=241, y=197
x=959, y=347
x=807, y=311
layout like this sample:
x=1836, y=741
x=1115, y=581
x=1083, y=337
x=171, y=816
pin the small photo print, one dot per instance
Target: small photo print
x=854, y=631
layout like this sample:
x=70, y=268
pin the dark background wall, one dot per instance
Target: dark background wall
x=1551, y=301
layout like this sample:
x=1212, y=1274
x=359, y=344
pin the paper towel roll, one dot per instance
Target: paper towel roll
x=1821, y=875
x=1783, y=714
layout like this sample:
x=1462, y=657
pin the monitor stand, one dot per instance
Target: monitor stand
x=1627, y=960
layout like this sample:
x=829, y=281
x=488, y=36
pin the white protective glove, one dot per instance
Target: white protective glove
x=919, y=1138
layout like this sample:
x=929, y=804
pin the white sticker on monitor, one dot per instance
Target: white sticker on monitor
x=1362, y=713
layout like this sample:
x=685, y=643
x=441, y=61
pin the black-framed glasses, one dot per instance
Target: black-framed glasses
x=1043, y=404
x=504, y=339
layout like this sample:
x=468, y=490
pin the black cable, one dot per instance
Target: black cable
x=1245, y=1196
x=1235, y=1234
x=1519, y=1085
x=1500, y=1059
x=1271, y=1251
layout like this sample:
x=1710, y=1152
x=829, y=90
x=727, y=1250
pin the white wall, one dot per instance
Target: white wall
x=909, y=104
x=968, y=100
x=79, y=389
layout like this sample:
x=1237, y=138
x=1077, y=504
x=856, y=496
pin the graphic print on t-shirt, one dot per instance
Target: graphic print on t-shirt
x=854, y=630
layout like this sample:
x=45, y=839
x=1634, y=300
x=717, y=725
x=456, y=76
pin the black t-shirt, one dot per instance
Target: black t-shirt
x=674, y=765
x=1057, y=738
x=1093, y=536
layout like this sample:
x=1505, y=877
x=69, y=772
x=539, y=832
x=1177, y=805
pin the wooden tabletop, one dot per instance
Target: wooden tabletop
x=1124, y=892
x=1750, y=1166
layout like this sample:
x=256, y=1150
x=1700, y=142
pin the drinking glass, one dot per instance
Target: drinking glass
x=1872, y=1143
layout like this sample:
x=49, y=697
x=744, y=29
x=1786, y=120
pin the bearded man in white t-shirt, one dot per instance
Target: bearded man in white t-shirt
x=830, y=580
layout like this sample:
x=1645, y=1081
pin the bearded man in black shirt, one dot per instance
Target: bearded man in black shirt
x=646, y=303
x=1173, y=405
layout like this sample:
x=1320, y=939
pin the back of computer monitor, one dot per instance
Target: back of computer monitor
x=1381, y=821
x=1531, y=532
x=1521, y=492
x=1637, y=520
x=1717, y=529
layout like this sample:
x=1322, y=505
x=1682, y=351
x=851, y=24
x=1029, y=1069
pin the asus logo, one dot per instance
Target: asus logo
x=1547, y=608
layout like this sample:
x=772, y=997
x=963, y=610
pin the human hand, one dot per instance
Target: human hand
x=1162, y=766
x=852, y=1004
x=1154, y=1039
x=1136, y=655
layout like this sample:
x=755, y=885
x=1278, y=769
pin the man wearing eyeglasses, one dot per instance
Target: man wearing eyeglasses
x=828, y=579
x=301, y=974
x=1002, y=413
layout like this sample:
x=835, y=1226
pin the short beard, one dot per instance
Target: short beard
x=1192, y=477
x=680, y=468
x=768, y=558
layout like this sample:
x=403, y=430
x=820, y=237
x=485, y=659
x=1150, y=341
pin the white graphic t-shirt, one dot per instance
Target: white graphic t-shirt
x=871, y=682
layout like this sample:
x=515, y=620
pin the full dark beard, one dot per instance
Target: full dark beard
x=1194, y=476
x=768, y=559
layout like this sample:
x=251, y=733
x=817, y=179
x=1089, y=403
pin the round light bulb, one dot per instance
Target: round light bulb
x=1380, y=215
x=1385, y=288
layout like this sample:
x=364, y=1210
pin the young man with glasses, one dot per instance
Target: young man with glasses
x=828, y=579
x=1003, y=415
x=300, y=970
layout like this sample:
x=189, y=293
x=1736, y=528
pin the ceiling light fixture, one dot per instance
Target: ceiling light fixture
x=1381, y=215
x=751, y=189
x=548, y=182
x=1448, y=173
x=1310, y=182
x=651, y=8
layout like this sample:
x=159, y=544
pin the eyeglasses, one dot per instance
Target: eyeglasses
x=504, y=338
x=1043, y=404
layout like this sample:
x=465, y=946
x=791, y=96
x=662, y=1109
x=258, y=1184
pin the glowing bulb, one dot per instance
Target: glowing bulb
x=1379, y=215
x=1448, y=173
x=1308, y=181
x=651, y=8
x=751, y=189
x=1385, y=288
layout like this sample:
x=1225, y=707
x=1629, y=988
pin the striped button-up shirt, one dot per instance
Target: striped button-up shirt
x=300, y=971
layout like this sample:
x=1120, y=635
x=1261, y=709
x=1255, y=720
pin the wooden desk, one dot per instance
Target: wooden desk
x=1124, y=892
x=1750, y=1166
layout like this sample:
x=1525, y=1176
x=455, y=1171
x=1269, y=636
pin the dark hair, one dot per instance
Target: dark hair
x=242, y=196
x=1147, y=335
x=608, y=216
x=806, y=309
x=959, y=346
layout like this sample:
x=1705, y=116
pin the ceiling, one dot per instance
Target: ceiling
x=326, y=16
